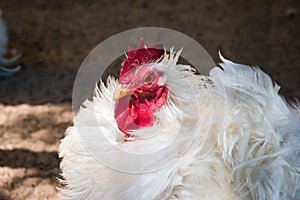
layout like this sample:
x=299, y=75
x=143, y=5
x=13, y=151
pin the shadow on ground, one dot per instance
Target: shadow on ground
x=55, y=37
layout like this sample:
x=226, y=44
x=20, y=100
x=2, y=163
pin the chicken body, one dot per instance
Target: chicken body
x=224, y=136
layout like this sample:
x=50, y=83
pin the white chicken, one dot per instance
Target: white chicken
x=228, y=135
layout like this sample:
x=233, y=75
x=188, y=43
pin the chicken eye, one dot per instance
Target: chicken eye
x=148, y=78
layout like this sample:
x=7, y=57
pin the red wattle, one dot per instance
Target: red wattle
x=135, y=112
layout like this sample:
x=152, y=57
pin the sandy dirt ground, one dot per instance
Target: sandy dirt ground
x=55, y=36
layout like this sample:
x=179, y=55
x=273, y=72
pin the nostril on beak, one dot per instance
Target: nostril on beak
x=121, y=91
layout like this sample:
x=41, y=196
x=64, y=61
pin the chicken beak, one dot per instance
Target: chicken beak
x=121, y=91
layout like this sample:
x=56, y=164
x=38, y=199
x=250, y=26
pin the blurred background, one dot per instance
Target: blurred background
x=55, y=36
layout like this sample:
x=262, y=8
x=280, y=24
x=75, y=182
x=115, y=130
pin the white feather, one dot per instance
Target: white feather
x=230, y=136
x=261, y=136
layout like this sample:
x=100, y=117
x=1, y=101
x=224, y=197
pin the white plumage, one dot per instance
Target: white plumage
x=228, y=135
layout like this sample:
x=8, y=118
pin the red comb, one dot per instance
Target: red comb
x=140, y=56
